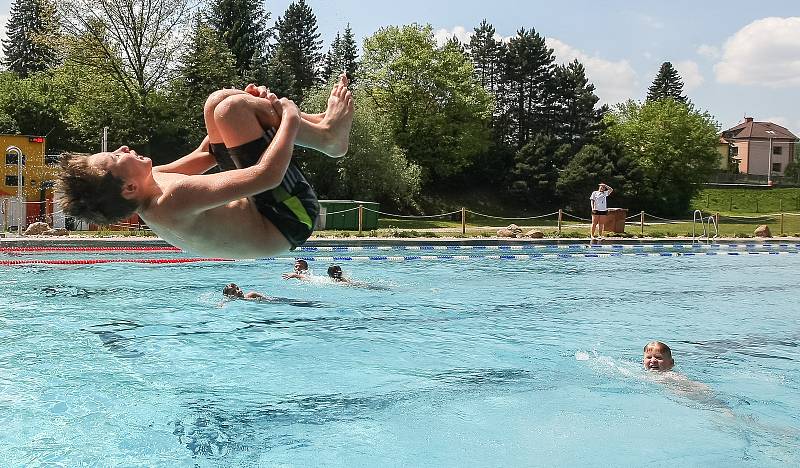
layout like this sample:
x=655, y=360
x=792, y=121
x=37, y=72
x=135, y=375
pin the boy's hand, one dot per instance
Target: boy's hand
x=286, y=108
x=261, y=92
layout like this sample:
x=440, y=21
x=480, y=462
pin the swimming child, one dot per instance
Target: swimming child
x=336, y=273
x=657, y=356
x=300, y=270
x=232, y=291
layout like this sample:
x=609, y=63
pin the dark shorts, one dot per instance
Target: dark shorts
x=292, y=206
x=600, y=212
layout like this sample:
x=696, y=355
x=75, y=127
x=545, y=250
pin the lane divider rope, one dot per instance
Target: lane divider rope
x=94, y=261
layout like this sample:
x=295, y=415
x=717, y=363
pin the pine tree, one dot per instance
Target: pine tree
x=206, y=66
x=30, y=30
x=526, y=88
x=333, y=59
x=342, y=56
x=349, y=53
x=578, y=120
x=667, y=84
x=486, y=52
x=299, y=47
x=240, y=24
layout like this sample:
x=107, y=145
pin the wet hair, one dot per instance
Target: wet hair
x=659, y=345
x=302, y=262
x=90, y=193
x=232, y=290
x=335, y=271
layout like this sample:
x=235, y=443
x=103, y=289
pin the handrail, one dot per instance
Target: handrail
x=706, y=223
x=20, y=189
x=712, y=221
x=698, y=215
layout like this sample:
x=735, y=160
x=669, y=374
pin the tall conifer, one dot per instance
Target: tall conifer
x=240, y=25
x=30, y=30
x=299, y=47
x=667, y=84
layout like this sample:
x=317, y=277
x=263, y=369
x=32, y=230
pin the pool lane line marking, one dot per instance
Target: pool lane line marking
x=536, y=256
x=527, y=247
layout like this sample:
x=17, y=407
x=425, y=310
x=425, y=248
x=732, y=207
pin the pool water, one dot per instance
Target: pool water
x=463, y=362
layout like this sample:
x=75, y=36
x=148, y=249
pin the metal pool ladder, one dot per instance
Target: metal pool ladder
x=706, y=224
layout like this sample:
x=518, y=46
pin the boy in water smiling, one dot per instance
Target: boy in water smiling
x=657, y=356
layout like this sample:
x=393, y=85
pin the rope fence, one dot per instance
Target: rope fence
x=554, y=224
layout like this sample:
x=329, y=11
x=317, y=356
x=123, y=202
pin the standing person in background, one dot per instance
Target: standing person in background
x=599, y=204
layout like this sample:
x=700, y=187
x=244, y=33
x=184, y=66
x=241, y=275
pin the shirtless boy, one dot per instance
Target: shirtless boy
x=261, y=206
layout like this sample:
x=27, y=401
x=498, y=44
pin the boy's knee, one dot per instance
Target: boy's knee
x=230, y=106
x=215, y=98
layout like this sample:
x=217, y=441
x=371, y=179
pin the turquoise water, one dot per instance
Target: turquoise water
x=476, y=362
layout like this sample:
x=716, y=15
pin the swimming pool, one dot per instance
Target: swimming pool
x=470, y=357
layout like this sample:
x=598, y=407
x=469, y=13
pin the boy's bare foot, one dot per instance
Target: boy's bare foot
x=338, y=119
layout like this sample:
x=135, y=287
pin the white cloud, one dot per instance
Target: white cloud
x=765, y=52
x=614, y=81
x=708, y=51
x=690, y=73
x=443, y=35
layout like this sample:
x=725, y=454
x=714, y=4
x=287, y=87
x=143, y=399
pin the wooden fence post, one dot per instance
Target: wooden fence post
x=642, y=222
x=560, y=217
x=463, y=221
x=360, y=218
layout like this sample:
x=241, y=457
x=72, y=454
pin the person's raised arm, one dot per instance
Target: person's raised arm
x=197, y=162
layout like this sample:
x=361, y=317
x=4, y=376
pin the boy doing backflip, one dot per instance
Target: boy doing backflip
x=259, y=205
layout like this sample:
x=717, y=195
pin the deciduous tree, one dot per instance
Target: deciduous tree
x=439, y=113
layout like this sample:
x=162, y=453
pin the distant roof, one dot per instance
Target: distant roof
x=759, y=130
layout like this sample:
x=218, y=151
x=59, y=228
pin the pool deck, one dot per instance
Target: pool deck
x=129, y=241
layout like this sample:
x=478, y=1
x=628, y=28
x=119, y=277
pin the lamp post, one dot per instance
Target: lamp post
x=20, y=191
x=769, y=164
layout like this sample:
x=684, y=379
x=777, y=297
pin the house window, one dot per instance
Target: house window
x=11, y=180
x=777, y=150
x=776, y=167
x=11, y=159
x=735, y=151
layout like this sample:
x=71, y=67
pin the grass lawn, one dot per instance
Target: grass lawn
x=748, y=200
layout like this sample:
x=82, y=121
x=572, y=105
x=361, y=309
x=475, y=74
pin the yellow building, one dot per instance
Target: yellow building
x=38, y=174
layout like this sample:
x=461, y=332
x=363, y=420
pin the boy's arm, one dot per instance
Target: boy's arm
x=203, y=192
x=197, y=162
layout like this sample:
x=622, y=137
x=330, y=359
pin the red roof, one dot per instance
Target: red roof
x=750, y=129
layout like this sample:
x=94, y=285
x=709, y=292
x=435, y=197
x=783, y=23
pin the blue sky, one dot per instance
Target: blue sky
x=737, y=57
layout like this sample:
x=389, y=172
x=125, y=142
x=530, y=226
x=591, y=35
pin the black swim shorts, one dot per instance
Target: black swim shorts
x=292, y=206
x=600, y=212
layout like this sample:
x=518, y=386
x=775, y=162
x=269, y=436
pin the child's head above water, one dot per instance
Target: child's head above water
x=657, y=356
x=335, y=272
x=232, y=290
